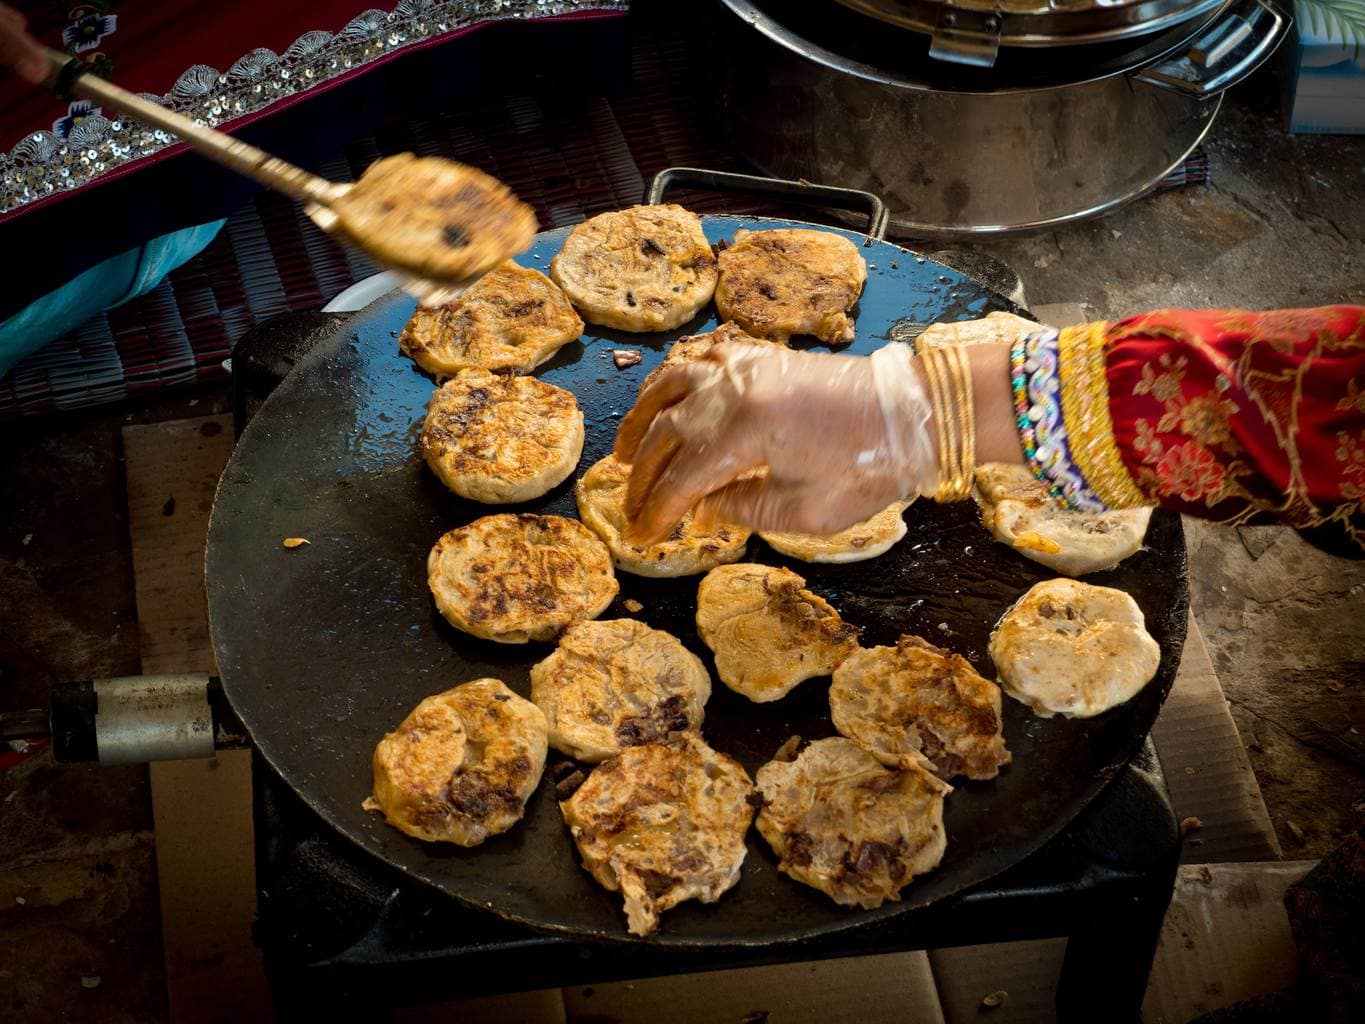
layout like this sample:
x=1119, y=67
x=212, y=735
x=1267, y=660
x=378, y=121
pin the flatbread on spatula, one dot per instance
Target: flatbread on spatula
x=433, y=217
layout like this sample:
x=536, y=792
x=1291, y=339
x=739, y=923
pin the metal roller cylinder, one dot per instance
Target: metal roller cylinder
x=134, y=719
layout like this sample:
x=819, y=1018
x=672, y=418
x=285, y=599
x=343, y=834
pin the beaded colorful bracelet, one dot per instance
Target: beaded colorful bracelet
x=1036, y=385
x=1022, y=421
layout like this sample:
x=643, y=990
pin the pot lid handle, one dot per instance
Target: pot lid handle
x=1236, y=45
x=966, y=37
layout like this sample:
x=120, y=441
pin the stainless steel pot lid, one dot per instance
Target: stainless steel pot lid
x=897, y=57
x=973, y=31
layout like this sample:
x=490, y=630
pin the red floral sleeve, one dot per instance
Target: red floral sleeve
x=1223, y=414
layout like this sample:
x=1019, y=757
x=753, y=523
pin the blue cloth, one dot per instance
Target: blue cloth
x=109, y=284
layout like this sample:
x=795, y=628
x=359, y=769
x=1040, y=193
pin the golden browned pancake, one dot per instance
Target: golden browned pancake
x=768, y=631
x=692, y=347
x=501, y=439
x=868, y=539
x=919, y=704
x=616, y=684
x=512, y=319
x=993, y=327
x=791, y=281
x=840, y=822
x=1074, y=649
x=648, y=268
x=460, y=767
x=1018, y=510
x=601, y=493
x=515, y=578
x=434, y=217
x=662, y=823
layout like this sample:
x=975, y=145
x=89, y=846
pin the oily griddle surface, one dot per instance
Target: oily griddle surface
x=324, y=648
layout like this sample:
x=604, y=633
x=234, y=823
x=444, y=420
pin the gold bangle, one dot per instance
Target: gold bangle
x=948, y=372
x=967, y=411
x=952, y=481
x=954, y=360
x=935, y=407
x=943, y=372
x=938, y=402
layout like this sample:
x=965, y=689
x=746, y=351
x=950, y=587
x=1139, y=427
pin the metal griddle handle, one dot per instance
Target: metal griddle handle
x=777, y=188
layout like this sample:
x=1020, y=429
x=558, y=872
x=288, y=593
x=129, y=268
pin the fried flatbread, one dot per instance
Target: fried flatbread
x=615, y=684
x=500, y=439
x=601, y=493
x=841, y=823
x=648, y=268
x=662, y=823
x=434, y=217
x=516, y=578
x=461, y=766
x=692, y=347
x=768, y=632
x=868, y=539
x=993, y=327
x=1073, y=649
x=1019, y=511
x=775, y=284
x=919, y=704
x=512, y=319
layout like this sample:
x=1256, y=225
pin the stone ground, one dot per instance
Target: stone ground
x=1285, y=625
x=1282, y=225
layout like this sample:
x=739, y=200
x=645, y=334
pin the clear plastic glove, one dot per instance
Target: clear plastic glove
x=841, y=437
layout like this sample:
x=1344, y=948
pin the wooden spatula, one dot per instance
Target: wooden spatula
x=440, y=224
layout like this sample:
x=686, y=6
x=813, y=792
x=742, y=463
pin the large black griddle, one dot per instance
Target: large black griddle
x=324, y=648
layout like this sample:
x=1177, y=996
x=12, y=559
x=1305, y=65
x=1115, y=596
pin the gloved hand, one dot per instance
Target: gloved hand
x=841, y=438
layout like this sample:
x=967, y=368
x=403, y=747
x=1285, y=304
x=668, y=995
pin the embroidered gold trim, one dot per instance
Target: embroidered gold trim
x=1085, y=411
x=43, y=163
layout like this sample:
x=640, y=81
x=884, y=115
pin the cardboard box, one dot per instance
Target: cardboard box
x=1226, y=938
x=1326, y=74
x=896, y=988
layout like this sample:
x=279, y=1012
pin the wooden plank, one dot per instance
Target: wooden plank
x=172, y=471
x=201, y=809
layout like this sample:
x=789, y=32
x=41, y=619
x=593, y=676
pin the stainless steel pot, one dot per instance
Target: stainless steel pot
x=985, y=151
